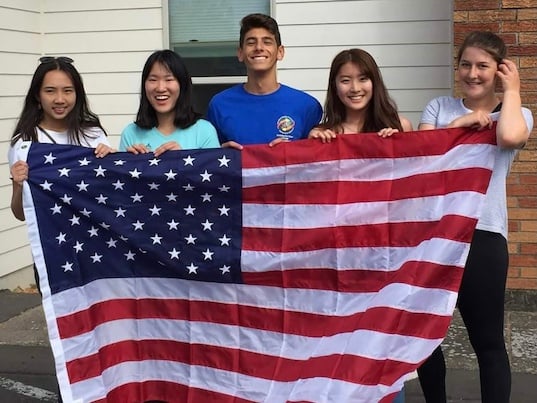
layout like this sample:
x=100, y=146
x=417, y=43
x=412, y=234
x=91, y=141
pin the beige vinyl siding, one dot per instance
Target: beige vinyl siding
x=20, y=45
x=54, y=6
x=109, y=42
x=409, y=39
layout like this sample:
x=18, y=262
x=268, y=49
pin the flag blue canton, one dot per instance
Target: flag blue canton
x=178, y=215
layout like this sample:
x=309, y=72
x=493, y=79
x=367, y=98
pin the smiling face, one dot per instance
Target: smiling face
x=57, y=97
x=476, y=73
x=259, y=50
x=162, y=89
x=354, y=89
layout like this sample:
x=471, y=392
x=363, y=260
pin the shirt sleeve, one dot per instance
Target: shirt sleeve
x=11, y=153
x=101, y=138
x=314, y=115
x=529, y=118
x=430, y=113
x=93, y=137
x=210, y=138
x=212, y=117
x=126, y=138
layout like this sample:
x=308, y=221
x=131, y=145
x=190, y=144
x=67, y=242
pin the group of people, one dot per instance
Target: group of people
x=264, y=111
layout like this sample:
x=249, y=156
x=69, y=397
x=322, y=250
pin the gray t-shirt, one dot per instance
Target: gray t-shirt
x=440, y=112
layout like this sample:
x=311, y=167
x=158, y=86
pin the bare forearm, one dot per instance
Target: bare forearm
x=16, y=201
x=511, y=129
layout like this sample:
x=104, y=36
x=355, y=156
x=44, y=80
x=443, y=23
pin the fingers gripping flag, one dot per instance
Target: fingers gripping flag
x=304, y=272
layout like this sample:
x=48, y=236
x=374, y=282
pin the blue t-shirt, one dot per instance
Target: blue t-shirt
x=201, y=134
x=258, y=119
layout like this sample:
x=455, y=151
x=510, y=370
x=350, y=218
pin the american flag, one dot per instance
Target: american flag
x=306, y=272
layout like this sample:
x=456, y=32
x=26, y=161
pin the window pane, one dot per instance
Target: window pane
x=202, y=94
x=206, y=34
x=210, y=20
x=211, y=59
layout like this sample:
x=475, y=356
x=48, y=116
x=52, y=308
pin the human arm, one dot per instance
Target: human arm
x=278, y=140
x=429, y=119
x=426, y=126
x=511, y=129
x=325, y=135
x=389, y=131
x=407, y=124
x=477, y=120
x=207, y=135
x=102, y=150
x=19, y=173
x=167, y=146
x=130, y=142
x=232, y=144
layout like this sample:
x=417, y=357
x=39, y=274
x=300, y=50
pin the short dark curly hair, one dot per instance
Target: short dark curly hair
x=252, y=21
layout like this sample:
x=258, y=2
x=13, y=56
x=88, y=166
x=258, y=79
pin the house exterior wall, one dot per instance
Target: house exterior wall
x=412, y=41
x=20, y=46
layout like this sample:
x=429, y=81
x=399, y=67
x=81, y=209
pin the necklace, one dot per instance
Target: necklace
x=47, y=134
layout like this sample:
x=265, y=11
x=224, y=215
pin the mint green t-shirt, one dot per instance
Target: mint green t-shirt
x=201, y=134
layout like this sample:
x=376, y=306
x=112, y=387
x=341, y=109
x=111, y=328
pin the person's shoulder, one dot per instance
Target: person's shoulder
x=130, y=127
x=133, y=129
x=94, y=131
x=223, y=100
x=228, y=92
x=443, y=103
x=445, y=100
x=406, y=123
x=15, y=145
x=291, y=90
x=295, y=93
x=203, y=124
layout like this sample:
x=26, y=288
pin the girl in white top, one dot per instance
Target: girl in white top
x=481, y=63
x=55, y=111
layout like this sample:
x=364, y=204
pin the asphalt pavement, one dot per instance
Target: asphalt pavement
x=27, y=366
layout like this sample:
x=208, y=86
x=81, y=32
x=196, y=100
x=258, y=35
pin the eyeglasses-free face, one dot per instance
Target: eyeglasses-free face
x=57, y=97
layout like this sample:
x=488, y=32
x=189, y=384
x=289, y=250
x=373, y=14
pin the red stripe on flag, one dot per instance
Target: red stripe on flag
x=350, y=368
x=415, y=273
x=352, y=146
x=342, y=192
x=166, y=392
x=298, y=323
x=405, y=234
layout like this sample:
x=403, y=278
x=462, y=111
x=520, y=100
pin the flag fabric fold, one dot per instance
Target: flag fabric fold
x=306, y=272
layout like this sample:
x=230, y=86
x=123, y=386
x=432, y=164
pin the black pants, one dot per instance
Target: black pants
x=481, y=304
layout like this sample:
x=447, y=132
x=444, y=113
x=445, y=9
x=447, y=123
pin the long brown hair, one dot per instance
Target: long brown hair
x=381, y=111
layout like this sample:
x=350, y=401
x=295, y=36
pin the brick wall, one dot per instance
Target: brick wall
x=516, y=22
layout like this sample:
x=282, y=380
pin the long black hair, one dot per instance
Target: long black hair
x=185, y=115
x=79, y=119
